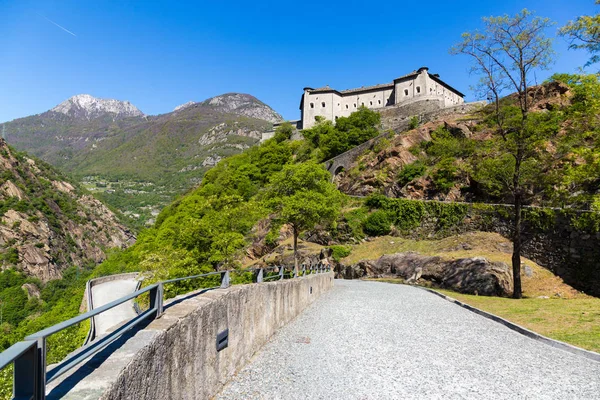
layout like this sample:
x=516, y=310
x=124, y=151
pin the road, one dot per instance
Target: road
x=372, y=340
x=104, y=293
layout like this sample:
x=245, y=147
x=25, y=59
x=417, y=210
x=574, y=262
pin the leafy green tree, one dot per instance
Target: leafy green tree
x=302, y=196
x=283, y=132
x=584, y=33
x=348, y=132
x=224, y=246
x=505, y=55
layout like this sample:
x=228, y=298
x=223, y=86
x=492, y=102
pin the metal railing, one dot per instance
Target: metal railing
x=30, y=374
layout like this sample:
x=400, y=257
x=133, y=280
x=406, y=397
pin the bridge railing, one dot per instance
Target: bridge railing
x=28, y=357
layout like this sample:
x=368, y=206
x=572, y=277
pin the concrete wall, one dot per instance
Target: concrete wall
x=181, y=361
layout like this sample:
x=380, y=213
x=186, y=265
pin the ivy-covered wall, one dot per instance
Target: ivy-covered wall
x=567, y=242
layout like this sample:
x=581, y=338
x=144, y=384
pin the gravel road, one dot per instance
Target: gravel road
x=372, y=340
x=104, y=293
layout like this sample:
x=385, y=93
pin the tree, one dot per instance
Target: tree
x=283, y=132
x=584, y=33
x=506, y=55
x=302, y=196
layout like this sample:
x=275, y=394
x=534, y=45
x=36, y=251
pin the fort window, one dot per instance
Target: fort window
x=312, y=105
x=336, y=117
x=378, y=101
x=346, y=106
x=406, y=92
x=363, y=104
x=354, y=105
x=370, y=103
x=418, y=89
x=323, y=104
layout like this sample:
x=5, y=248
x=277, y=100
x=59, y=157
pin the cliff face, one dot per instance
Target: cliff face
x=46, y=223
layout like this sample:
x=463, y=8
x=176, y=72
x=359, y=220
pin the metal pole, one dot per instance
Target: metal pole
x=225, y=279
x=259, y=276
x=25, y=374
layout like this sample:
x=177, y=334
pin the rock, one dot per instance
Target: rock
x=32, y=290
x=11, y=190
x=528, y=271
x=466, y=275
x=458, y=129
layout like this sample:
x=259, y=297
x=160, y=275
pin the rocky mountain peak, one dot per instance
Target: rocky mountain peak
x=87, y=106
x=184, y=105
x=243, y=104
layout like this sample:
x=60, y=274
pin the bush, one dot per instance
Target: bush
x=444, y=175
x=378, y=223
x=283, y=132
x=414, y=122
x=410, y=172
x=339, y=252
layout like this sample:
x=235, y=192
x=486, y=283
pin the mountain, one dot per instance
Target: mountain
x=49, y=223
x=84, y=106
x=239, y=104
x=138, y=163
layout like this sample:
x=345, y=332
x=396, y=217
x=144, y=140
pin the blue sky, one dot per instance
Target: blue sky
x=161, y=54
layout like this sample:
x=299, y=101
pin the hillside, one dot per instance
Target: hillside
x=459, y=158
x=47, y=223
x=138, y=163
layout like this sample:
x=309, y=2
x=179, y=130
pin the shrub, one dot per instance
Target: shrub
x=339, y=252
x=410, y=172
x=377, y=223
x=414, y=122
x=444, y=175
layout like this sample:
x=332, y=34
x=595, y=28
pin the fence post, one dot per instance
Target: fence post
x=259, y=275
x=25, y=374
x=281, y=272
x=224, y=279
x=156, y=299
x=40, y=370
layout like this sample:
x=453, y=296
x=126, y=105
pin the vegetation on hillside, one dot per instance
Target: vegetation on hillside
x=327, y=139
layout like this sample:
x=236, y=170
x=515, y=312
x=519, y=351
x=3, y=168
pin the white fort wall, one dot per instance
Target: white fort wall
x=332, y=104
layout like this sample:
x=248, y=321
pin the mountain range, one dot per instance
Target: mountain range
x=138, y=163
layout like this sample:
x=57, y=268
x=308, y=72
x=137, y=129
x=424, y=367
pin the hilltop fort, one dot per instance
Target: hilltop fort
x=417, y=86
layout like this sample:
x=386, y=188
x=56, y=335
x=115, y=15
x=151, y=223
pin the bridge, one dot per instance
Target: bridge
x=305, y=336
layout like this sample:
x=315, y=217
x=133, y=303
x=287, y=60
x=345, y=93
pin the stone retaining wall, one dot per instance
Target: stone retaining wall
x=181, y=360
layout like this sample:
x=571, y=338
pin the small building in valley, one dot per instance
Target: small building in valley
x=417, y=86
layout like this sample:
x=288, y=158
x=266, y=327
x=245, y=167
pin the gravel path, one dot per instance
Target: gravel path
x=371, y=340
x=104, y=293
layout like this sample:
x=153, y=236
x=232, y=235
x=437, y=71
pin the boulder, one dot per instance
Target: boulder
x=458, y=129
x=474, y=275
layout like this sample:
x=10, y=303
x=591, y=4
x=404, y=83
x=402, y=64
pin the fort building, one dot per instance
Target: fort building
x=417, y=86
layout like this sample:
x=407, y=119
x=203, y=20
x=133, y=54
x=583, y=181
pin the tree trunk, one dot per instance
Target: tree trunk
x=516, y=256
x=295, y=250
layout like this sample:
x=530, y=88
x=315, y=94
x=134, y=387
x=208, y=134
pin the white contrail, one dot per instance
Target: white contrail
x=61, y=27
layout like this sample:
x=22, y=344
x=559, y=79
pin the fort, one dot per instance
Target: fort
x=417, y=86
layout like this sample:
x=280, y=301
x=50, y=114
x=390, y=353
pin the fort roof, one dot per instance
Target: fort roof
x=367, y=88
x=435, y=77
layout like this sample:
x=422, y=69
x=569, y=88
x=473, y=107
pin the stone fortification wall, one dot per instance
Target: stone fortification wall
x=181, y=359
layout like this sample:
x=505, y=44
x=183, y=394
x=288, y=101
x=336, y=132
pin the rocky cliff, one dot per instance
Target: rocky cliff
x=46, y=223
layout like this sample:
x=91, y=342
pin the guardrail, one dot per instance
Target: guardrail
x=30, y=374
